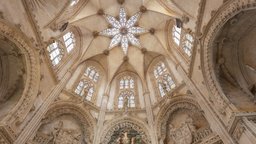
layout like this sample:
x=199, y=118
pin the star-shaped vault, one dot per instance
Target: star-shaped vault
x=123, y=31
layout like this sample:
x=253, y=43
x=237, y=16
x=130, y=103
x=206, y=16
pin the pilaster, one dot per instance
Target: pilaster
x=101, y=119
x=150, y=118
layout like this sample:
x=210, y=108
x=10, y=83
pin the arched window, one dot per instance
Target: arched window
x=69, y=41
x=86, y=86
x=163, y=78
x=188, y=44
x=55, y=53
x=92, y=73
x=126, y=92
x=176, y=32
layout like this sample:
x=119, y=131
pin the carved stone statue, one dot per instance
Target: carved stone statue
x=65, y=136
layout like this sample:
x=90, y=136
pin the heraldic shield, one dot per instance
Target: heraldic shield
x=182, y=135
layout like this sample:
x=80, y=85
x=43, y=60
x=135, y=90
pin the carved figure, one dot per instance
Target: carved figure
x=65, y=136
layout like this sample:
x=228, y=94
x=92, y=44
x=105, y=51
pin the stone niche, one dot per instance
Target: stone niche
x=235, y=62
x=64, y=129
x=12, y=76
x=186, y=127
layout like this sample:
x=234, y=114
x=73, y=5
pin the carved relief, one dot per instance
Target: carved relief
x=181, y=122
x=124, y=125
x=66, y=123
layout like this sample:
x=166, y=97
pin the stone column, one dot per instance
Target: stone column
x=212, y=118
x=101, y=118
x=150, y=118
x=32, y=126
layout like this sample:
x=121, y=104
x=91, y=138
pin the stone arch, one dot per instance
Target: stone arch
x=179, y=103
x=124, y=122
x=78, y=113
x=31, y=72
x=215, y=25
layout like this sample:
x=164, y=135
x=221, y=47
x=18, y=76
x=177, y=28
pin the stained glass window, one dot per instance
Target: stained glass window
x=164, y=80
x=69, y=41
x=129, y=95
x=55, y=53
x=124, y=31
x=126, y=83
x=126, y=90
x=92, y=73
x=188, y=44
x=176, y=32
x=86, y=86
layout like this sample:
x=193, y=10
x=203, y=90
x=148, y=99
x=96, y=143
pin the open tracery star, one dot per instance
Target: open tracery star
x=123, y=31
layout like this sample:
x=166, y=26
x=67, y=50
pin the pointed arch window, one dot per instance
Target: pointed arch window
x=69, y=41
x=126, y=92
x=92, y=73
x=129, y=95
x=87, y=84
x=55, y=53
x=163, y=78
x=176, y=33
x=188, y=44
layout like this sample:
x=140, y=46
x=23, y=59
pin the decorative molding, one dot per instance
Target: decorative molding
x=181, y=102
x=60, y=108
x=228, y=10
x=25, y=103
x=6, y=135
x=123, y=122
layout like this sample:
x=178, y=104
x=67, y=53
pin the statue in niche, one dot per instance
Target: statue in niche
x=65, y=136
x=183, y=134
x=126, y=103
x=86, y=91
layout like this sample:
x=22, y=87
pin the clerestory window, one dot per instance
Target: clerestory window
x=69, y=41
x=55, y=53
x=126, y=92
x=176, y=33
x=163, y=79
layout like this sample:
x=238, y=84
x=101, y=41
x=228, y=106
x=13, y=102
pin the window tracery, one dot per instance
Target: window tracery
x=69, y=41
x=55, y=53
x=60, y=50
x=87, y=84
x=165, y=82
x=126, y=96
x=188, y=44
x=176, y=33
